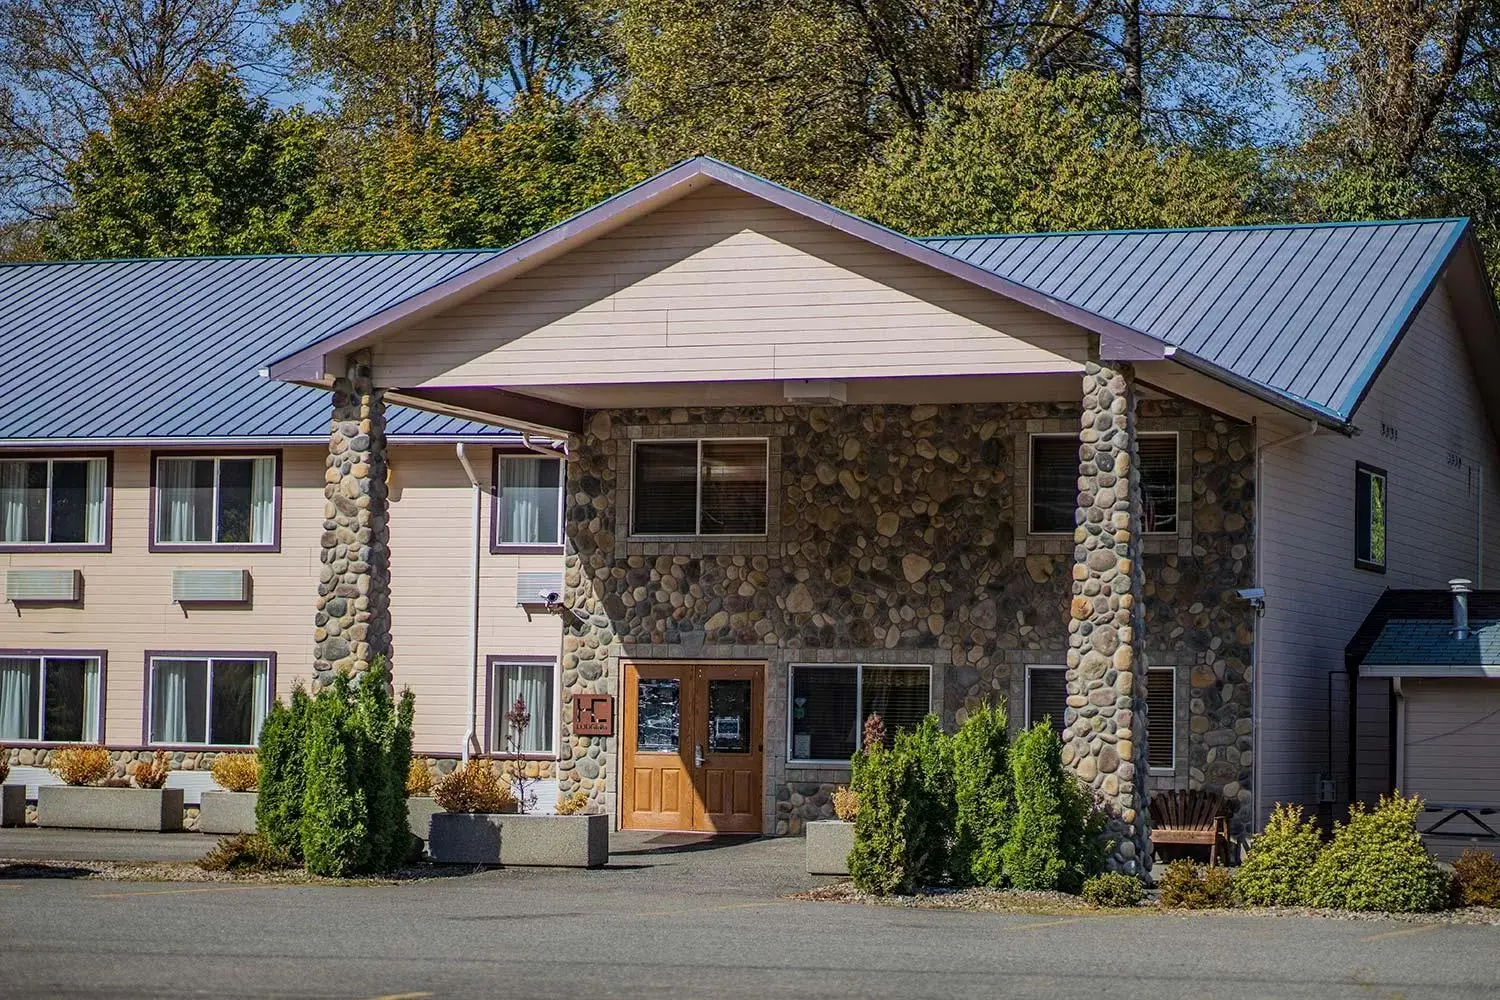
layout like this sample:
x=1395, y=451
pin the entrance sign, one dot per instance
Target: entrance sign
x=594, y=715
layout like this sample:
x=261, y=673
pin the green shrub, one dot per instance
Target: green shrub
x=283, y=774
x=1280, y=860
x=905, y=811
x=335, y=812
x=247, y=852
x=1377, y=862
x=1476, y=879
x=1054, y=840
x=381, y=735
x=1190, y=886
x=933, y=805
x=1113, y=890
x=983, y=792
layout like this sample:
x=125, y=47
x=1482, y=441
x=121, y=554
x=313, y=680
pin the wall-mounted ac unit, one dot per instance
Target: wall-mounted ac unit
x=210, y=586
x=43, y=585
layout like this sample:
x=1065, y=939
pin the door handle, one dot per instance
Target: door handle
x=698, y=755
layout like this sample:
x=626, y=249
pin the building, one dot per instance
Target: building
x=817, y=469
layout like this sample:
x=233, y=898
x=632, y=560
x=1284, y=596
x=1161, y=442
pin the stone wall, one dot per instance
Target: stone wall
x=898, y=534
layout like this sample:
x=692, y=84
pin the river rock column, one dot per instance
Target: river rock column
x=1105, y=727
x=353, y=620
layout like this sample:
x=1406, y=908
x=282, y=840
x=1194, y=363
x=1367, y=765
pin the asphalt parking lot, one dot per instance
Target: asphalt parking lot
x=676, y=917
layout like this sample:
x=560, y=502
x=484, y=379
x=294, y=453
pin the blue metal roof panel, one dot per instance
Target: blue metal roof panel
x=1423, y=642
x=173, y=348
x=1307, y=312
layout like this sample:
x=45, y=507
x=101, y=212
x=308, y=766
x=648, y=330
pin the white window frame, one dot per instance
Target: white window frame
x=47, y=535
x=500, y=704
x=208, y=713
x=1171, y=672
x=562, y=491
x=859, y=700
x=1031, y=479
x=218, y=460
x=698, y=502
x=41, y=721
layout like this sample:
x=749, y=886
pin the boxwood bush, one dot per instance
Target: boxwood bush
x=1376, y=861
x=1280, y=861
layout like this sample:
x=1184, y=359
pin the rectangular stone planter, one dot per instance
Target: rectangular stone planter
x=829, y=842
x=223, y=813
x=12, y=805
x=419, y=812
x=89, y=808
x=514, y=839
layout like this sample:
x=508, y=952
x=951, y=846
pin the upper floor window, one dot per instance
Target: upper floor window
x=227, y=500
x=1047, y=697
x=1369, y=517
x=49, y=698
x=208, y=700
x=1054, y=482
x=528, y=500
x=53, y=501
x=711, y=487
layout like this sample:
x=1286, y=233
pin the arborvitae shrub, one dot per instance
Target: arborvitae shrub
x=933, y=804
x=983, y=796
x=379, y=737
x=335, y=812
x=1376, y=861
x=1280, y=860
x=881, y=860
x=283, y=774
x=1054, y=838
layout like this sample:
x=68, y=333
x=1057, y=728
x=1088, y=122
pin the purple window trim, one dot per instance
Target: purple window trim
x=152, y=545
x=61, y=548
x=102, y=655
x=530, y=659
x=497, y=503
x=201, y=654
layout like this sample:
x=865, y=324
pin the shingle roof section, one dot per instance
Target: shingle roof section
x=172, y=348
x=1308, y=312
x=1404, y=642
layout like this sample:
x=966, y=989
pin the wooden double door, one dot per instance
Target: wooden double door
x=691, y=747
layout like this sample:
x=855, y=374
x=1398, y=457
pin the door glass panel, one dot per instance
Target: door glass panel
x=657, y=715
x=729, y=716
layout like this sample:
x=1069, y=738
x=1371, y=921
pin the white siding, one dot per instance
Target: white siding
x=1315, y=598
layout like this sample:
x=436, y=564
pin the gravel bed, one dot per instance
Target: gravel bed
x=177, y=871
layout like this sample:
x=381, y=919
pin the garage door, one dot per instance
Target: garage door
x=1452, y=739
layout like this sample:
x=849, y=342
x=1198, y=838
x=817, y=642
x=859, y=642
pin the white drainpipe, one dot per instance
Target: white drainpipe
x=470, y=738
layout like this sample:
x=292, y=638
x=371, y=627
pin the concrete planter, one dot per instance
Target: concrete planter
x=12, y=805
x=515, y=839
x=829, y=842
x=419, y=812
x=227, y=812
x=89, y=808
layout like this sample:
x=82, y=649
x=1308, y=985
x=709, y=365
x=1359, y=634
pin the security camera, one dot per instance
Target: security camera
x=549, y=596
x=1252, y=594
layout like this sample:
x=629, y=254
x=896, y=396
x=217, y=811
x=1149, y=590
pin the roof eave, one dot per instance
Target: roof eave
x=1297, y=407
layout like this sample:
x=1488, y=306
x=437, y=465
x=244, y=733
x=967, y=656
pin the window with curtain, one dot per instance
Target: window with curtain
x=210, y=701
x=534, y=684
x=830, y=702
x=1157, y=455
x=52, y=501
x=1047, y=697
x=705, y=488
x=49, y=699
x=529, y=499
x=216, y=501
x=1369, y=517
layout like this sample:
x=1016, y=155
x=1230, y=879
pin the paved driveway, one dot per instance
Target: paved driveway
x=671, y=919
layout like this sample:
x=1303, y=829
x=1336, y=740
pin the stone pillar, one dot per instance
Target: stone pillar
x=1105, y=738
x=353, y=620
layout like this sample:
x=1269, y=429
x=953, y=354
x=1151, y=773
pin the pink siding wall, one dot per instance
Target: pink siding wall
x=127, y=607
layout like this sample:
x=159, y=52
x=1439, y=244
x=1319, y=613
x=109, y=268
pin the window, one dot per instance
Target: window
x=1047, y=697
x=209, y=700
x=216, y=501
x=52, y=501
x=50, y=698
x=1054, y=483
x=1369, y=517
x=528, y=501
x=700, y=487
x=535, y=683
x=829, y=704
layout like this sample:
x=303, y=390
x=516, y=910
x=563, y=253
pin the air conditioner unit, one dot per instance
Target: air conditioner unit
x=43, y=585
x=210, y=586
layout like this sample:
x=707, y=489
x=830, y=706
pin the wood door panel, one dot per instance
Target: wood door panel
x=730, y=728
x=656, y=775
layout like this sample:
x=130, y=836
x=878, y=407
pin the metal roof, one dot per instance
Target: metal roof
x=1309, y=312
x=173, y=348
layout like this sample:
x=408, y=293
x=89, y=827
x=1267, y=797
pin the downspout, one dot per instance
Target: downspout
x=1479, y=532
x=1255, y=680
x=470, y=737
x=1399, y=766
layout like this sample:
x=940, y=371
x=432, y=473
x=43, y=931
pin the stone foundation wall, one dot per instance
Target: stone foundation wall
x=899, y=534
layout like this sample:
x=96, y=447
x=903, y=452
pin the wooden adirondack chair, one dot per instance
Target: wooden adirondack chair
x=1191, y=816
